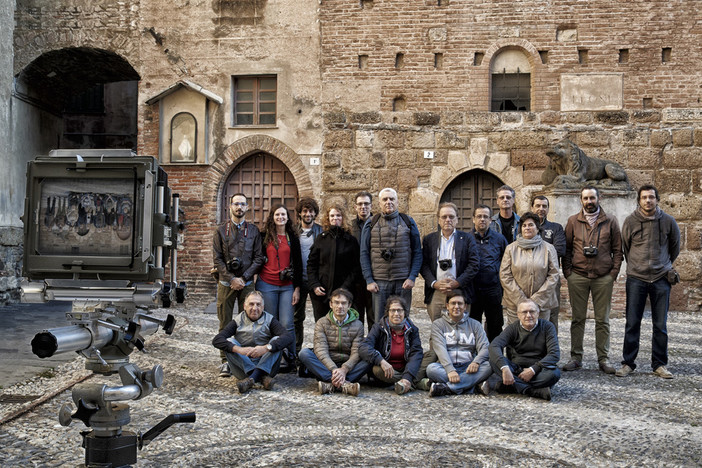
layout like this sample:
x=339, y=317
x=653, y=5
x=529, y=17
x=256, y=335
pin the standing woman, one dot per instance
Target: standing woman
x=529, y=270
x=334, y=260
x=281, y=276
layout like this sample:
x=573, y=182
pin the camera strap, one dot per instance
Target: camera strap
x=599, y=228
x=277, y=257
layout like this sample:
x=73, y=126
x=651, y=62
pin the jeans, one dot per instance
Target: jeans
x=579, y=289
x=299, y=316
x=489, y=303
x=315, y=366
x=545, y=378
x=242, y=366
x=277, y=301
x=226, y=297
x=636, y=293
x=437, y=373
x=385, y=290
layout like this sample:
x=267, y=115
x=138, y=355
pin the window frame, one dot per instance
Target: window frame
x=256, y=101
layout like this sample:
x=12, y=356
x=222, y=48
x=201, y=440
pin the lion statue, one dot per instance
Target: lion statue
x=570, y=167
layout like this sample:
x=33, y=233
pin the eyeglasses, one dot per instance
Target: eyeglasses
x=363, y=204
x=396, y=311
x=239, y=204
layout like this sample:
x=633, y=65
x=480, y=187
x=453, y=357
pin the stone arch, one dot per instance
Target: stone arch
x=241, y=149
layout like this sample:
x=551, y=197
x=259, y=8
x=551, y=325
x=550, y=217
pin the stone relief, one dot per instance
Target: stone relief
x=569, y=167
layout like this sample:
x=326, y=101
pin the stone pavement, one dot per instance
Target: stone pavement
x=593, y=419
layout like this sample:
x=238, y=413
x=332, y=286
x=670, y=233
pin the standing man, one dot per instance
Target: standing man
x=488, y=289
x=307, y=230
x=253, y=342
x=554, y=234
x=363, y=299
x=391, y=254
x=450, y=261
x=529, y=366
x=237, y=257
x=591, y=265
x=506, y=221
x=651, y=240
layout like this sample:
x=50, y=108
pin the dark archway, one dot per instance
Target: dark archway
x=88, y=95
x=469, y=189
x=265, y=181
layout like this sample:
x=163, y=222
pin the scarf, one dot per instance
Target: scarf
x=591, y=217
x=529, y=243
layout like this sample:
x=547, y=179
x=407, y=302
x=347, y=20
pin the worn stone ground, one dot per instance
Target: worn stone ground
x=593, y=419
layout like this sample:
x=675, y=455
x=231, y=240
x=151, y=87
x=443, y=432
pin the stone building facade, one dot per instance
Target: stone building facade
x=433, y=97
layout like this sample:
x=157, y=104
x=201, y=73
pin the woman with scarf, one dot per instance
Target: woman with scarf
x=281, y=276
x=333, y=261
x=529, y=270
x=393, y=347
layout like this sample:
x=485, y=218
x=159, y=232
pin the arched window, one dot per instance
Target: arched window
x=510, y=75
x=183, y=138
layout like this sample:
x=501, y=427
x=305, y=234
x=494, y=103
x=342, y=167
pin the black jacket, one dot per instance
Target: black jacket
x=227, y=245
x=334, y=261
x=376, y=346
x=467, y=262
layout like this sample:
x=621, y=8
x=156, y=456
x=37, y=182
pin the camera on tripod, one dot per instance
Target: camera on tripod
x=445, y=263
x=387, y=254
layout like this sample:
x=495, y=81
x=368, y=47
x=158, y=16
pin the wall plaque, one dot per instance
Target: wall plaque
x=591, y=92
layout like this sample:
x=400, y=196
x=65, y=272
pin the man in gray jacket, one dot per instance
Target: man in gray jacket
x=252, y=343
x=651, y=242
x=237, y=258
x=461, y=346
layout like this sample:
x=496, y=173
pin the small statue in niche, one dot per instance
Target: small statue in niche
x=570, y=167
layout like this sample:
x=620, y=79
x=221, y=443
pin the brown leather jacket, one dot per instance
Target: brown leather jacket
x=605, y=235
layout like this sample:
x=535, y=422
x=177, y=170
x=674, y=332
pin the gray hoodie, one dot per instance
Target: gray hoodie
x=650, y=245
x=461, y=342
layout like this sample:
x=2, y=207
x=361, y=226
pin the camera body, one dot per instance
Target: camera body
x=387, y=254
x=590, y=251
x=234, y=266
x=286, y=274
x=445, y=263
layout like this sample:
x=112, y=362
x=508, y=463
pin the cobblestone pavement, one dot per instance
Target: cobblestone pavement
x=593, y=419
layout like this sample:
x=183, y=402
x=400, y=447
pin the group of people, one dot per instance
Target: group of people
x=362, y=270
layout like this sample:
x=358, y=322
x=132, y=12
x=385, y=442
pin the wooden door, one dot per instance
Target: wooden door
x=469, y=189
x=265, y=181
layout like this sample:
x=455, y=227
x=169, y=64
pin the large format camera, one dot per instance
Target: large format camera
x=590, y=251
x=99, y=230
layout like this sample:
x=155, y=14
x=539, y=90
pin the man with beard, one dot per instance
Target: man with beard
x=237, y=258
x=591, y=265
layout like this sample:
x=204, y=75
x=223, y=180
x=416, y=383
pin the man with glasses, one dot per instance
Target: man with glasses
x=506, y=221
x=237, y=258
x=529, y=365
x=363, y=299
x=450, y=261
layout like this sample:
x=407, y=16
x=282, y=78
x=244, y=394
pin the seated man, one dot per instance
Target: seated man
x=532, y=354
x=335, y=360
x=393, y=347
x=252, y=343
x=461, y=346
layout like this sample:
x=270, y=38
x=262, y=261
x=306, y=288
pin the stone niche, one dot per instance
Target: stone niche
x=184, y=126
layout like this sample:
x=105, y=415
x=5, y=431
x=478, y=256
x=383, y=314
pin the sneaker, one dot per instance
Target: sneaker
x=325, y=387
x=352, y=389
x=483, y=388
x=245, y=385
x=401, y=388
x=268, y=382
x=572, y=366
x=224, y=370
x=424, y=384
x=663, y=373
x=606, y=367
x=624, y=371
x=502, y=388
x=439, y=389
x=543, y=393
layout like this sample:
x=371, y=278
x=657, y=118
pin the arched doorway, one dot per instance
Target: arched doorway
x=469, y=189
x=265, y=181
